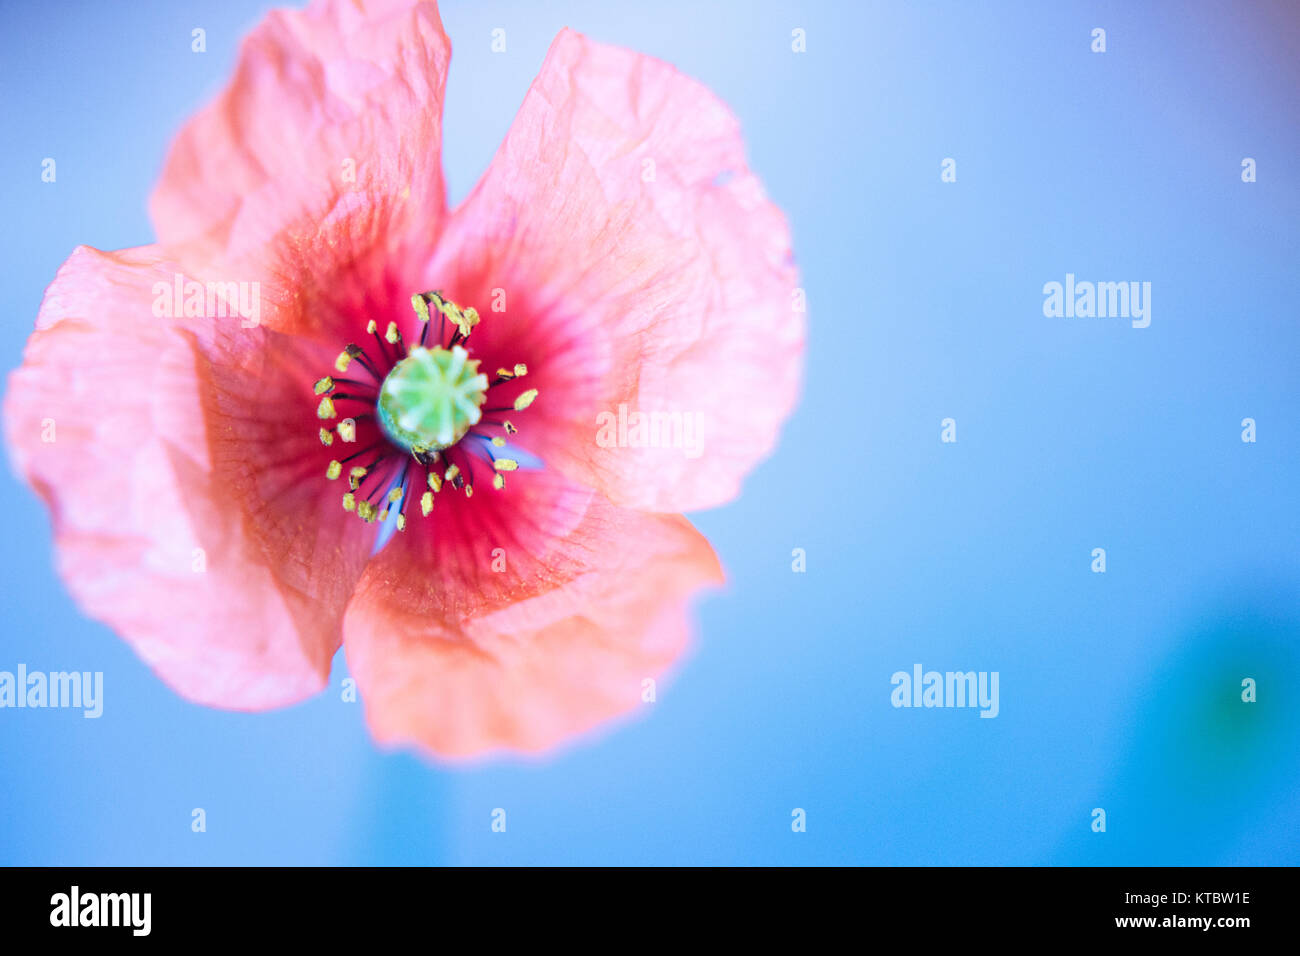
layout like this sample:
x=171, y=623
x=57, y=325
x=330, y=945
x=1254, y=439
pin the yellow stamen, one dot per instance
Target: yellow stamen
x=519, y=371
x=468, y=319
x=425, y=452
x=421, y=307
x=464, y=320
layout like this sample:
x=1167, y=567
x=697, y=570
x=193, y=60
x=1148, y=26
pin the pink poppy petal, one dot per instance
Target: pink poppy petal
x=474, y=555
x=640, y=266
x=324, y=151
x=570, y=652
x=169, y=451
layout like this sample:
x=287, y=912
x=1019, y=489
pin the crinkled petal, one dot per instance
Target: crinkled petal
x=317, y=171
x=620, y=246
x=170, y=453
x=602, y=613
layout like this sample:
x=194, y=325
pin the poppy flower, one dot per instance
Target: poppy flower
x=317, y=354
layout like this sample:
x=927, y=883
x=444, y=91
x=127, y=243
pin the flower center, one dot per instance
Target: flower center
x=432, y=398
x=419, y=419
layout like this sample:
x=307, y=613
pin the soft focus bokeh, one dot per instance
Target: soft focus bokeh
x=1118, y=690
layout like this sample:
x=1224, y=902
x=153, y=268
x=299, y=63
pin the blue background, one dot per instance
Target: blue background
x=1118, y=690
